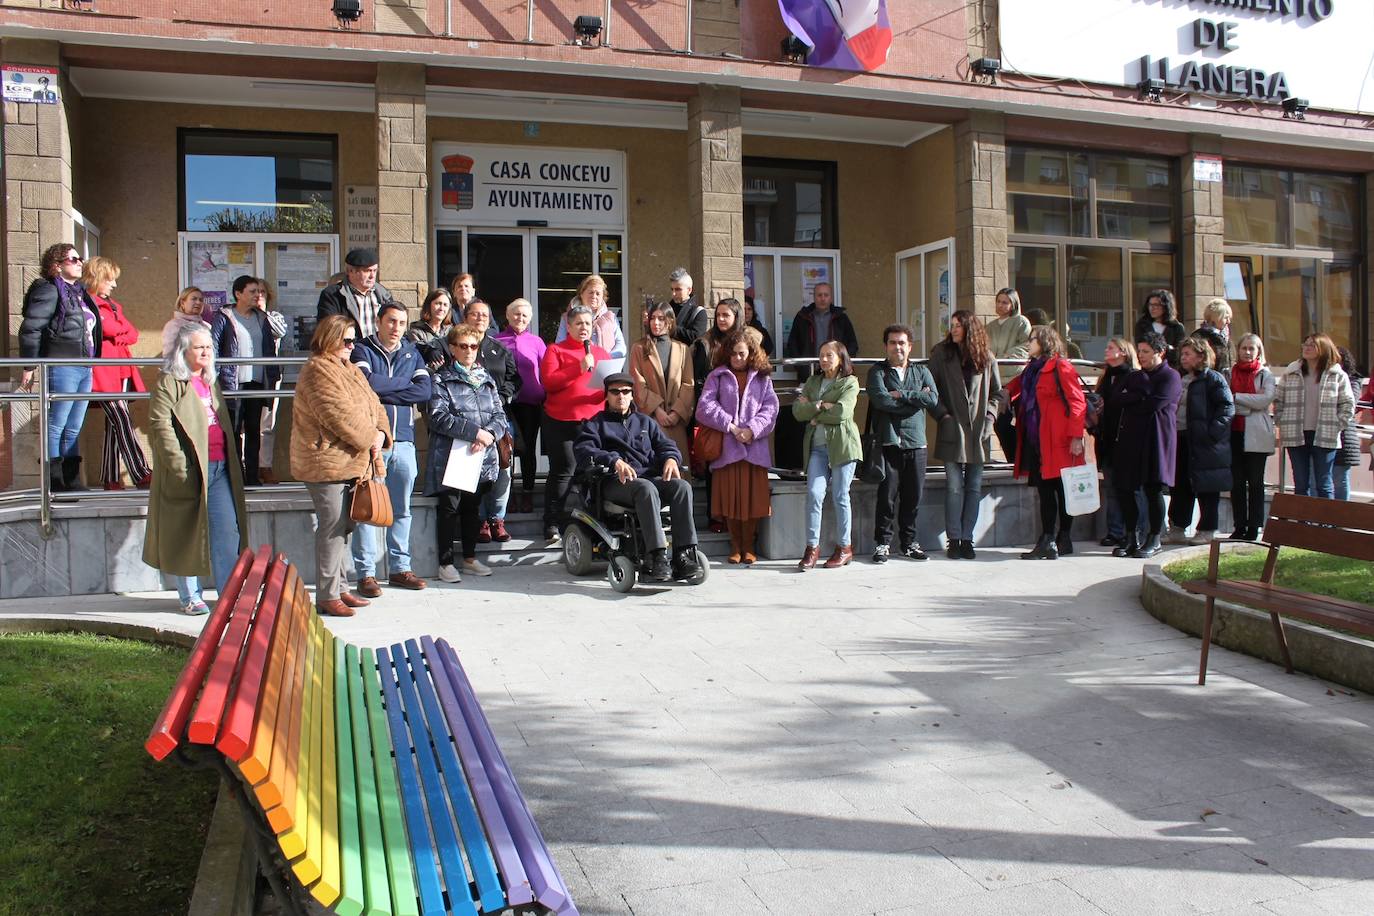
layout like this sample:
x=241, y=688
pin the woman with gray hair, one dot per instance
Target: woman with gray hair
x=197, y=519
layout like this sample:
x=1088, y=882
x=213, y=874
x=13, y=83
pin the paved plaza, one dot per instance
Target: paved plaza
x=988, y=737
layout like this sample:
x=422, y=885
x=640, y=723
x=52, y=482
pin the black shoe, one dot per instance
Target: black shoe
x=955, y=549
x=660, y=570
x=1127, y=548
x=56, y=482
x=71, y=475
x=1064, y=543
x=1044, y=549
x=1148, y=549
x=1110, y=541
x=913, y=552
x=966, y=550
x=685, y=564
x=551, y=533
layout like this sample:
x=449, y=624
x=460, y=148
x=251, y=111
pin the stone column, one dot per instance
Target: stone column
x=715, y=27
x=402, y=181
x=715, y=192
x=1204, y=231
x=980, y=211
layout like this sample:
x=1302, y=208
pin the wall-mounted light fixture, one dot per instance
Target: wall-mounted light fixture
x=586, y=29
x=794, y=50
x=1151, y=90
x=348, y=12
x=987, y=68
x=1295, y=109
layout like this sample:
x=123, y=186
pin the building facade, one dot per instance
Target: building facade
x=1084, y=157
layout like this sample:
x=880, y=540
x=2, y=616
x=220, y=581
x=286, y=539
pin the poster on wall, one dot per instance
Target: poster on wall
x=298, y=271
x=813, y=274
x=360, y=217
x=215, y=265
x=30, y=85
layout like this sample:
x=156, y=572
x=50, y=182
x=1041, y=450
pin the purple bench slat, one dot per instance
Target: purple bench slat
x=544, y=879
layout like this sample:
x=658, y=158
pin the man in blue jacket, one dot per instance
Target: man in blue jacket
x=396, y=371
x=647, y=468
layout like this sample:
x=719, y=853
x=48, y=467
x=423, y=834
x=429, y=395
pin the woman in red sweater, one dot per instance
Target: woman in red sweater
x=99, y=277
x=567, y=370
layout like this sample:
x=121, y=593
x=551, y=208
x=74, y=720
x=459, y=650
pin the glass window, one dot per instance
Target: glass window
x=1290, y=307
x=789, y=204
x=1326, y=211
x=1047, y=191
x=1095, y=311
x=1337, y=315
x=249, y=182
x=1134, y=198
x=1033, y=276
x=1256, y=207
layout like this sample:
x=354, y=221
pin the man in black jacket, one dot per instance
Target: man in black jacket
x=358, y=295
x=647, y=471
x=692, y=319
x=820, y=322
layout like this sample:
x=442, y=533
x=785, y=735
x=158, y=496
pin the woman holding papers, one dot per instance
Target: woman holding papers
x=338, y=426
x=465, y=422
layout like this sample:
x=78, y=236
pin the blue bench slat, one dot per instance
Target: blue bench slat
x=497, y=833
x=455, y=875
x=426, y=868
x=491, y=897
x=543, y=875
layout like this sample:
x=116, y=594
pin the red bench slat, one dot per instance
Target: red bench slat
x=238, y=725
x=210, y=710
x=169, y=727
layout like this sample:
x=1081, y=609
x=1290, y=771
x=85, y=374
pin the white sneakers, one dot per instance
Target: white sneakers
x=449, y=574
x=1176, y=535
x=1201, y=538
x=476, y=567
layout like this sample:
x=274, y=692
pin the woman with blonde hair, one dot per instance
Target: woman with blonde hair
x=606, y=334
x=662, y=371
x=1203, y=470
x=1121, y=361
x=187, y=311
x=1216, y=330
x=338, y=427
x=100, y=276
x=1314, y=407
x=1252, y=435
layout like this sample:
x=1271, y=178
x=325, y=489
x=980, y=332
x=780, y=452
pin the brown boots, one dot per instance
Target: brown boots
x=840, y=557
x=742, y=540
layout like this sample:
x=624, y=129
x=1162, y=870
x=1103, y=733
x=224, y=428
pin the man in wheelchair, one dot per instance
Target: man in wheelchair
x=646, y=465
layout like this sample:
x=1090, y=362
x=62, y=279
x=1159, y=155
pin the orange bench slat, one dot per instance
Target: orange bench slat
x=248, y=686
x=214, y=696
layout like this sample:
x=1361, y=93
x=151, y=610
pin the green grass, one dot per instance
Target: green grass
x=89, y=823
x=1317, y=573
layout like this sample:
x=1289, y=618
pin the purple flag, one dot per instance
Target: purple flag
x=845, y=34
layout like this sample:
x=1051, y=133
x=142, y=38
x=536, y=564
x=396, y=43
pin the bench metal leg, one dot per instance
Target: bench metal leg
x=1283, y=641
x=1206, y=639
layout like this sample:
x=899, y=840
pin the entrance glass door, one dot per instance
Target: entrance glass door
x=561, y=263
x=496, y=261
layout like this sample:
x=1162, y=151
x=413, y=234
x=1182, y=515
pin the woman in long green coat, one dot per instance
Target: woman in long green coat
x=197, y=519
x=832, y=450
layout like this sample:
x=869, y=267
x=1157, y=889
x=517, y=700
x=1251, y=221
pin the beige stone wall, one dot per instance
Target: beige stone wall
x=928, y=190
x=403, y=181
x=715, y=199
x=980, y=188
x=1204, y=230
x=402, y=17
x=715, y=26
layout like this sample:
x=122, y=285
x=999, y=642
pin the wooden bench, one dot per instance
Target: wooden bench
x=1342, y=529
x=373, y=777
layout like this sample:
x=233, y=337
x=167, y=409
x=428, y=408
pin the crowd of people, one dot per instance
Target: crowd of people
x=1191, y=415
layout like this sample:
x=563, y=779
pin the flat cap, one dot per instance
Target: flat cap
x=362, y=257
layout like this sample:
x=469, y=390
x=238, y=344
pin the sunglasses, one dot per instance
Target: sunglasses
x=74, y=259
x=620, y=391
x=349, y=341
x=465, y=346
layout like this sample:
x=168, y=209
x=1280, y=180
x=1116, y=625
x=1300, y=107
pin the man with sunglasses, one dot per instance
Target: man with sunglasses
x=647, y=468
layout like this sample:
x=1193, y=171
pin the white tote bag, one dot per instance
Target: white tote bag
x=1080, y=489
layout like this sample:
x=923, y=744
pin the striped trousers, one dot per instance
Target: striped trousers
x=121, y=441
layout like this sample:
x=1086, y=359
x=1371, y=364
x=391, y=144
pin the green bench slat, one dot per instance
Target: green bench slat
x=353, y=896
x=401, y=877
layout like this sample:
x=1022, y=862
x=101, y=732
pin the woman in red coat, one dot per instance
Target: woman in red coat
x=1050, y=408
x=99, y=277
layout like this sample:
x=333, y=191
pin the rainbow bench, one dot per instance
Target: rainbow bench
x=372, y=778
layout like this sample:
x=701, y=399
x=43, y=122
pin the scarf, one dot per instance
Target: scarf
x=1030, y=408
x=475, y=377
x=1243, y=378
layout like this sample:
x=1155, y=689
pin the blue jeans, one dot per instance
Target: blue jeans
x=65, y=417
x=819, y=475
x=224, y=535
x=1340, y=481
x=400, y=483
x=963, y=493
x=1312, y=468
x=494, y=503
x=1116, y=523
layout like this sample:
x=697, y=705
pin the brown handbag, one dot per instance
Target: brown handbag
x=706, y=447
x=371, y=501
x=505, y=446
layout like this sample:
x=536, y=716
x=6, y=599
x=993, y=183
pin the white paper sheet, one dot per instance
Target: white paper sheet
x=464, y=468
x=605, y=368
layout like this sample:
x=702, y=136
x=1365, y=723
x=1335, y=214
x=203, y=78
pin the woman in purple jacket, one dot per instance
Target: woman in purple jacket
x=528, y=349
x=738, y=399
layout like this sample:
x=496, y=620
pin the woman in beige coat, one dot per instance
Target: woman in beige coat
x=338, y=426
x=664, y=383
x=197, y=520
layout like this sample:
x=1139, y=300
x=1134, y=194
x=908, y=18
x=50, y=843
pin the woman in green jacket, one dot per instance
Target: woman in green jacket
x=832, y=450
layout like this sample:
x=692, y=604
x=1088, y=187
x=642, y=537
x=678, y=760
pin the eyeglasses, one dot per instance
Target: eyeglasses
x=620, y=391
x=74, y=259
x=465, y=346
x=349, y=341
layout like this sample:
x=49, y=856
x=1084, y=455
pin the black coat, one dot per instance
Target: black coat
x=1109, y=424
x=634, y=439
x=48, y=330
x=1220, y=344
x=500, y=365
x=692, y=320
x=1174, y=334
x=1148, y=434
x=802, y=342
x=1210, y=412
x=334, y=302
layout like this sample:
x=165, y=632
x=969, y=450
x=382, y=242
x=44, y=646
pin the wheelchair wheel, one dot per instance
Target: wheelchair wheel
x=577, y=550
x=703, y=568
x=621, y=573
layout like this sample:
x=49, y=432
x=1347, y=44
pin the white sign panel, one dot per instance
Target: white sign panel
x=481, y=185
x=1266, y=50
x=30, y=84
x=1206, y=168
